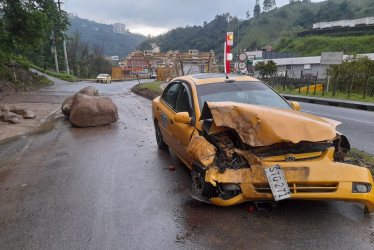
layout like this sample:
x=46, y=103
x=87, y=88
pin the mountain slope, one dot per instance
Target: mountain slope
x=268, y=29
x=102, y=35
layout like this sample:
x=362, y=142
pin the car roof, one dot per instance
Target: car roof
x=208, y=78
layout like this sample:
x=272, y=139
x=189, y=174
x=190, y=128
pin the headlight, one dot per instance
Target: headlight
x=361, y=187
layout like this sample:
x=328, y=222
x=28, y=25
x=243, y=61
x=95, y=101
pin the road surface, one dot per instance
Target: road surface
x=110, y=187
x=357, y=125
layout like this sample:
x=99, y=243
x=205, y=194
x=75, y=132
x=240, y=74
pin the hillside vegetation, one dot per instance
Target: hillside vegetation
x=315, y=45
x=102, y=35
x=270, y=27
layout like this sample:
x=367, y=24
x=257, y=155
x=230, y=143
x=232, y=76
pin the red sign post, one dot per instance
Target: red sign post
x=228, y=56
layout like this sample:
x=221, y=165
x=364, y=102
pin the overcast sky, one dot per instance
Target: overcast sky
x=156, y=17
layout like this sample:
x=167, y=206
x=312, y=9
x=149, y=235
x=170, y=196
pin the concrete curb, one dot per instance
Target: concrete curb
x=368, y=106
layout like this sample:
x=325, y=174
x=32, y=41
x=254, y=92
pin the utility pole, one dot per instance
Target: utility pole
x=54, y=50
x=64, y=45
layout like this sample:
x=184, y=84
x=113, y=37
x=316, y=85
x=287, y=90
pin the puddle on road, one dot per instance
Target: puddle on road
x=11, y=149
x=4, y=173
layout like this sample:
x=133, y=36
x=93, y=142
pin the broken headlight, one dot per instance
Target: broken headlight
x=361, y=187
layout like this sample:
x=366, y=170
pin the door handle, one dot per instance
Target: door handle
x=171, y=121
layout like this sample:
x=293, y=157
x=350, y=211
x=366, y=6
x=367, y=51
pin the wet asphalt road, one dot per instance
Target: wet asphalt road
x=357, y=125
x=111, y=188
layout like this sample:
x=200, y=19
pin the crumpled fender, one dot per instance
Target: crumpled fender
x=263, y=126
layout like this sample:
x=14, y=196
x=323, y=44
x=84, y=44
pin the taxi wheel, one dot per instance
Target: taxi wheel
x=160, y=141
x=199, y=185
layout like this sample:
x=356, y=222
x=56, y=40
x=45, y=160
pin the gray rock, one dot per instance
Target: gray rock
x=11, y=117
x=29, y=115
x=26, y=114
x=14, y=120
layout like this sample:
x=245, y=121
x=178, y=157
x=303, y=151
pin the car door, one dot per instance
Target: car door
x=182, y=132
x=167, y=111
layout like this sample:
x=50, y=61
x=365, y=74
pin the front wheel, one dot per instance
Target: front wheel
x=160, y=141
x=200, y=187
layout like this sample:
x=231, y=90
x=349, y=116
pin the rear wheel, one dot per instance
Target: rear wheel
x=160, y=141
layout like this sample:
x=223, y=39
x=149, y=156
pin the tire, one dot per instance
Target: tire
x=199, y=186
x=160, y=141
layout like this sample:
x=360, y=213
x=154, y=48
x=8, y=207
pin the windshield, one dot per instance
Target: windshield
x=243, y=92
x=102, y=75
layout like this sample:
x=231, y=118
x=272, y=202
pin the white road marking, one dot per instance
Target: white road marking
x=339, y=117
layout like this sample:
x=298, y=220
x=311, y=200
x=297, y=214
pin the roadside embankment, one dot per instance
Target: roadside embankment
x=148, y=90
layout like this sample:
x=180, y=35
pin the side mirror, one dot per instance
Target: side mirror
x=182, y=117
x=295, y=105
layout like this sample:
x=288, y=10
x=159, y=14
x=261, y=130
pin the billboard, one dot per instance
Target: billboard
x=331, y=57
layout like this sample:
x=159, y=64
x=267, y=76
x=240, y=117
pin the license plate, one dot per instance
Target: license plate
x=277, y=182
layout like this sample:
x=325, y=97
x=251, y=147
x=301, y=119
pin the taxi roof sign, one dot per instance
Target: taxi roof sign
x=230, y=38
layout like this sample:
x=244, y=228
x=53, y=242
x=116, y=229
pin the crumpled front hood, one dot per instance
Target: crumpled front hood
x=264, y=126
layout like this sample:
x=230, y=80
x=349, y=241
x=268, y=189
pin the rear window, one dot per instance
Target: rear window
x=255, y=92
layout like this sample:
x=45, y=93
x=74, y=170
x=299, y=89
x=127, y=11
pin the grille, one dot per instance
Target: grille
x=302, y=188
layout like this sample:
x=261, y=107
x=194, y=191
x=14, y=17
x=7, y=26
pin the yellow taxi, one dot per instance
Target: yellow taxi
x=243, y=142
x=104, y=78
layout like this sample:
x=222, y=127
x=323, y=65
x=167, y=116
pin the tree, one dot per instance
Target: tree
x=256, y=11
x=353, y=75
x=306, y=18
x=26, y=25
x=266, y=68
x=86, y=61
x=247, y=14
x=267, y=5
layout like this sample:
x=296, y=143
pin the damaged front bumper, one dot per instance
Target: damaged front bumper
x=318, y=179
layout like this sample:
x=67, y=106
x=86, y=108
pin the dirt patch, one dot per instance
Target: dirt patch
x=147, y=93
x=19, y=79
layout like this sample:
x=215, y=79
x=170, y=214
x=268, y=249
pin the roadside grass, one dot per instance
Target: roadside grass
x=149, y=90
x=66, y=77
x=154, y=86
x=366, y=157
x=339, y=95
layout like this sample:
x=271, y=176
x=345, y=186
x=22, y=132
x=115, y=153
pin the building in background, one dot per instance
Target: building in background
x=119, y=28
x=167, y=65
x=308, y=66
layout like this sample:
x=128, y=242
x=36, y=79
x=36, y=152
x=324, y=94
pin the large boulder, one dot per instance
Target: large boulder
x=90, y=90
x=91, y=111
x=66, y=105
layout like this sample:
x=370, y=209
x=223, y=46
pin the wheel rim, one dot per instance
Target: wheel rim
x=197, y=182
x=158, y=135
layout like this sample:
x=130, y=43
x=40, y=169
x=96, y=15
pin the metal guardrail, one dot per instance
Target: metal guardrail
x=369, y=106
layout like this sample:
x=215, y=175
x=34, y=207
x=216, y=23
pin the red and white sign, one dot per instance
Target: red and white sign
x=229, y=56
x=243, y=56
x=242, y=65
x=230, y=38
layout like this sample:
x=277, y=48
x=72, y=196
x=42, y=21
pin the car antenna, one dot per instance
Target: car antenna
x=228, y=79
